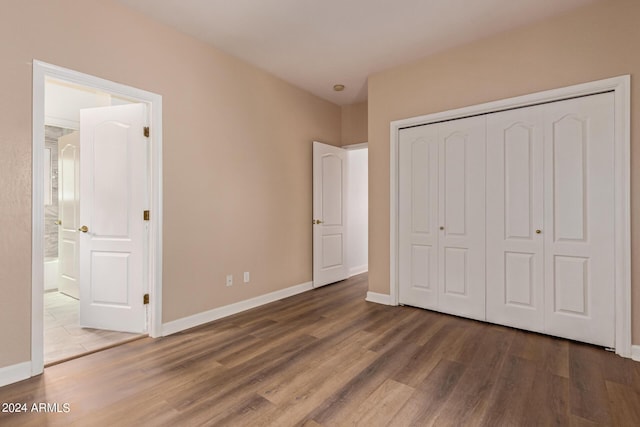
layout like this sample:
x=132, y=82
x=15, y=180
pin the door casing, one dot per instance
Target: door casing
x=620, y=86
x=42, y=71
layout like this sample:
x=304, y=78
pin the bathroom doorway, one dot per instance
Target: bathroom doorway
x=64, y=337
x=77, y=305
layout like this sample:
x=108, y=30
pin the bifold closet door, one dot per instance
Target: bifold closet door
x=515, y=217
x=442, y=217
x=418, y=216
x=579, y=219
x=462, y=217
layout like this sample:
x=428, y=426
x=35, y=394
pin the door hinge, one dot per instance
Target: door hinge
x=146, y=131
x=145, y=215
x=145, y=299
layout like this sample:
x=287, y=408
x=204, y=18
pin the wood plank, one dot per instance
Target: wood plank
x=470, y=398
x=547, y=402
x=423, y=362
x=424, y=405
x=304, y=398
x=381, y=406
x=348, y=398
x=508, y=400
x=623, y=401
x=587, y=392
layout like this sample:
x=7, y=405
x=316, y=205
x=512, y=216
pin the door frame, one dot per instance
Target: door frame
x=42, y=71
x=620, y=86
x=357, y=269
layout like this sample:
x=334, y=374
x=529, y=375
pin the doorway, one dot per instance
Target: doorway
x=358, y=208
x=59, y=96
x=340, y=212
x=65, y=336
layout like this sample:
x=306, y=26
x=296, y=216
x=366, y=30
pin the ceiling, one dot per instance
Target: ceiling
x=315, y=44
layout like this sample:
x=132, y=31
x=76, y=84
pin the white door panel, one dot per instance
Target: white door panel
x=418, y=217
x=579, y=234
x=462, y=217
x=329, y=208
x=515, y=264
x=114, y=196
x=69, y=213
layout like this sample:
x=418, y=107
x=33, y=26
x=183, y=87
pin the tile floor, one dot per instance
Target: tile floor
x=64, y=338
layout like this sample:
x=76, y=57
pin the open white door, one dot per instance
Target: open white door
x=113, y=192
x=69, y=213
x=329, y=207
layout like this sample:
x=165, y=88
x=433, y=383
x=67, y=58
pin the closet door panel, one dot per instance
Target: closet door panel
x=462, y=217
x=579, y=239
x=514, y=212
x=418, y=214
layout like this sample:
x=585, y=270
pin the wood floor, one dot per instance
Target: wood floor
x=328, y=358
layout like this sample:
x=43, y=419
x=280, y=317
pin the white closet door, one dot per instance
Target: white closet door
x=515, y=259
x=418, y=216
x=579, y=219
x=462, y=217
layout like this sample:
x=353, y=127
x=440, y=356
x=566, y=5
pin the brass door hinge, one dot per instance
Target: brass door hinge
x=145, y=299
x=146, y=131
x=145, y=215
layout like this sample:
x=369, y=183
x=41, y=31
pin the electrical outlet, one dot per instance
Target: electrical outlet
x=247, y=277
x=229, y=279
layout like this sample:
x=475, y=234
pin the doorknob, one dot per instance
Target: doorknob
x=317, y=221
x=538, y=231
x=84, y=229
x=59, y=222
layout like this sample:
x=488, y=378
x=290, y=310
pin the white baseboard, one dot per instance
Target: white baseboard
x=635, y=352
x=228, y=310
x=379, y=298
x=358, y=270
x=14, y=373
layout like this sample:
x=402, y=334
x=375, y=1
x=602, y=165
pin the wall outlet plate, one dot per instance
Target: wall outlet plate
x=229, y=279
x=247, y=277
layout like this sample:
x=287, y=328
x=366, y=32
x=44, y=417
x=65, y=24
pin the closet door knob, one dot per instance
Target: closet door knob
x=84, y=229
x=441, y=227
x=538, y=231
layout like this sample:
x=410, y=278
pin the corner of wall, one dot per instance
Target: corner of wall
x=354, y=123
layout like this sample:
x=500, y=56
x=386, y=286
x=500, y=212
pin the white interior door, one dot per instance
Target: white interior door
x=113, y=192
x=69, y=213
x=418, y=216
x=462, y=217
x=579, y=219
x=329, y=208
x=515, y=216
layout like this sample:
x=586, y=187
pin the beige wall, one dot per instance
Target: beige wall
x=237, y=156
x=591, y=43
x=354, y=123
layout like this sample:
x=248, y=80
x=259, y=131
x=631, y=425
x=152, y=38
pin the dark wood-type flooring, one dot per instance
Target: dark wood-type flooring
x=329, y=358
